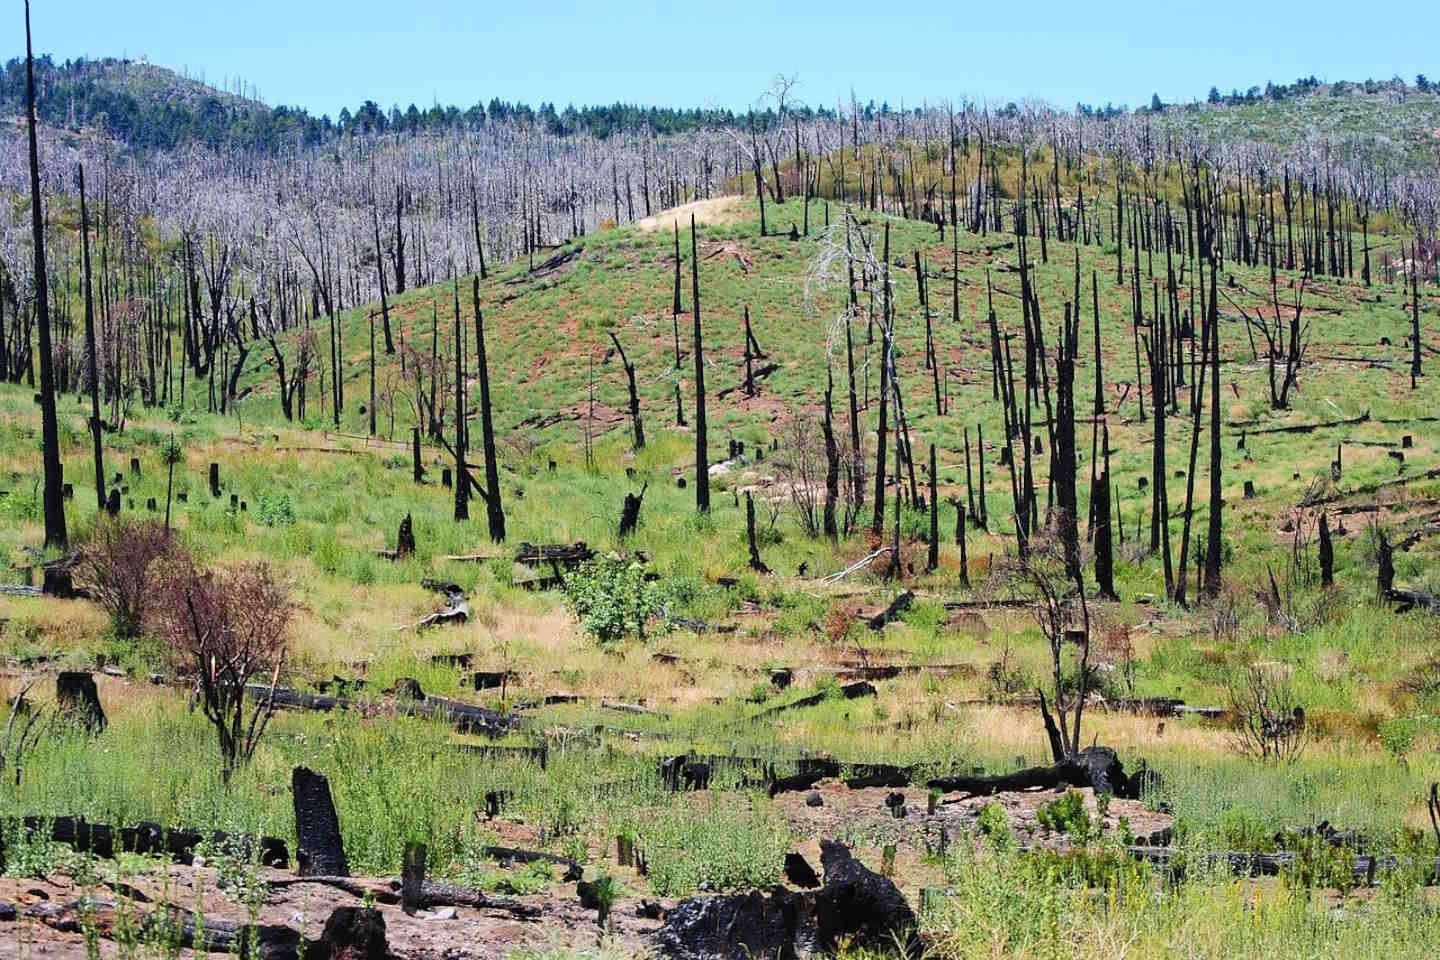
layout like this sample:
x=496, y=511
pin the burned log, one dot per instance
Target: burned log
x=897, y=606
x=147, y=838
x=850, y=691
x=1096, y=767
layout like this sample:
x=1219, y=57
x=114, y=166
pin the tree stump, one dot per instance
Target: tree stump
x=319, y=848
x=67, y=492
x=412, y=876
x=1250, y=490
x=78, y=700
x=446, y=479
x=1385, y=567
x=152, y=505
x=354, y=933
x=58, y=581
x=134, y=466
x=112, y=504
x=215, y=480
x=405, y=541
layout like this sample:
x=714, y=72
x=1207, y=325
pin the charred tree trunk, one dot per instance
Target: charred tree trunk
x=494, y=511
x=92, y=356
x=756, y=563
x=702, y=463
x=832, y=465
x=50, y=431
x=636, y=425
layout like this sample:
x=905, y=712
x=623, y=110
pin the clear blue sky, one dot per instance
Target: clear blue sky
x=324, y=55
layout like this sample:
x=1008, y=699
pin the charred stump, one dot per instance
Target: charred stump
x=77, y=698
x=319, y=849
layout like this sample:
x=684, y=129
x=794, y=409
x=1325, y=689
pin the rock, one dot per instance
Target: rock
x=354, y=933
x=649, y=910
x=444, y=913
x=799, y=872
x=814, y=800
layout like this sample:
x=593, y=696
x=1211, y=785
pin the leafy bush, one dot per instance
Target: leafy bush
x=275, y=511
x=1398, y=735
x=612, y=598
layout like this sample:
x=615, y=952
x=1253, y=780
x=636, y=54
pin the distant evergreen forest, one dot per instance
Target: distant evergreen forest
x=153, y=108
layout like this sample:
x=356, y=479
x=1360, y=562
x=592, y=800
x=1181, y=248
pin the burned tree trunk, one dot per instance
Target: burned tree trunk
x=630, y=513
x=933, y=561
x=832, y=465
x=1327, y=553
x=635, y=423
x=756, y=563
x=319, y=849
x=462, y=489
x=415, y=454
x=50, y=430
x=91, y=355
x=702, y=463
x=77, y=698
x=405, y=539
x=494, y=511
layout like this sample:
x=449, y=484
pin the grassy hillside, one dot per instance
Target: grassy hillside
x=320, y=501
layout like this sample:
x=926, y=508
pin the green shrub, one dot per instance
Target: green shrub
x=275, y=511
x=994, y=824
x=612, y=598
x=1398, y=735
x=1068, y=815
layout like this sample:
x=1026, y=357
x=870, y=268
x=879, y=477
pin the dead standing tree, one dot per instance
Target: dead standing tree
x=50, y=431
x=635, y=422
x=702, y=463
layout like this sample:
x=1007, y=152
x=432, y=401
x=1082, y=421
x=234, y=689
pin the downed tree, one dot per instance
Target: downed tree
x=105, y=841
x=1096, y=767
x=465, y=717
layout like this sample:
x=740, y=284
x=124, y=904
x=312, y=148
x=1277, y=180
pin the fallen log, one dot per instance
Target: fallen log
x=569, y=554
x=1245, y=863
x=573, y=870
x=1306, y=427
x=1370, y=488
x=700, y=626
x=897, y=606
x=465, y=717
x=434, y=895
x=1095, y=767
x=105, y=841
x=205, y=934
x=850, y=691
x=760, y=373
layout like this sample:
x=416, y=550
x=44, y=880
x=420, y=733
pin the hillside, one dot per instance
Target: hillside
x=751, y=668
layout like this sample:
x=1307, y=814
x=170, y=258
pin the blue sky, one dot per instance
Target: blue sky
x=324, y=55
